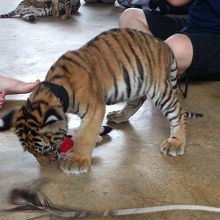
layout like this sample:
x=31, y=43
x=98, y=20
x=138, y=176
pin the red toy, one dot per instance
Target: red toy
x=67, y=144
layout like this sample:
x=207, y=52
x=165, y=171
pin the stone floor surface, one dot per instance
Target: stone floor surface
x=128, y=170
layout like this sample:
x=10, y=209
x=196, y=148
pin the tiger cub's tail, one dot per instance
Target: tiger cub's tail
x=105, y=130
x=193, y=115
x=8, y=15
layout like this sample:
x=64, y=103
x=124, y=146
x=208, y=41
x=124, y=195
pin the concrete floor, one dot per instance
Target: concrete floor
x=128, y=170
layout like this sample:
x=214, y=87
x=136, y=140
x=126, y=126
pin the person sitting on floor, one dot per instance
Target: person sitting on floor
x=194, y=40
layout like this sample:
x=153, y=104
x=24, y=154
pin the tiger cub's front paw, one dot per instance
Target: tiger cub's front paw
x=55, y=13
x=173, y=147
x=65, y=16
x=117, y=116
x=74, y=164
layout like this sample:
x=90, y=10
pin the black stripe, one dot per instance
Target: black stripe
x=52, y=68
x=173, y=79
x=77, y=109
x=60, y=92
x=63, y=67
x=76, y=53
x=110, y=71
x=174, y=117
x=145, y=46
x=172, y=103
x=172, y=108
x=175, y=86
x=117, y=41
x=27, y=116
x=56, y=77
x=36, y=139
x=33, y=124
x=140, y=68
x=166, y=100
x=173, y=70
x=127, y=81
x=160, y=99
x=154, y=88
x=74, y=62
x=109, y=46
x=87, y=108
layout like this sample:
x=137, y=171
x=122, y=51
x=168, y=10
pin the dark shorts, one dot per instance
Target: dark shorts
x=206, y=46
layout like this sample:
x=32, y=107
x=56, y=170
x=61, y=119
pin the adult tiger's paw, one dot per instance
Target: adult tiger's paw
x=173, y=147
x=74, y=164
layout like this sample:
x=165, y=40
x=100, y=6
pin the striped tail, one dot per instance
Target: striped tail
x=105, y=130
x=193, y=115
x=9, y=15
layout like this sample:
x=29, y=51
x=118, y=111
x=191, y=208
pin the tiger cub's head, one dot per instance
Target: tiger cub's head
x=40, y=124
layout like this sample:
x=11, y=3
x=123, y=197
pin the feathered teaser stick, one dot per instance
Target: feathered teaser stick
x=35, y=200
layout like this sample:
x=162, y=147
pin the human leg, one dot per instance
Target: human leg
x=197, y=54
x=205, y=63
x=134, y=18
x=182, y=48
x=163, y=27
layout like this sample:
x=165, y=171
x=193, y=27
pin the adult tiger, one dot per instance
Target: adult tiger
x=117, y=65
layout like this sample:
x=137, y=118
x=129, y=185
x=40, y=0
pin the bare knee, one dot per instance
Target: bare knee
x=134, y=18
x=182, y=49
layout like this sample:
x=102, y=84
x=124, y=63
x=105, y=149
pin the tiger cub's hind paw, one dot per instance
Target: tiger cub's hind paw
x=172, y=147
x=65, y=16
x=117, y=117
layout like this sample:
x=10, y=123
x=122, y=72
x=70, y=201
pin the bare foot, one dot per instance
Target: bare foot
x=13, y=86
x=2, y=97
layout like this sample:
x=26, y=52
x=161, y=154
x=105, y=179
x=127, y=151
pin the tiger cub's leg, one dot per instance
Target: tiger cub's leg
x=175, y=144
x=165, y=98
x=55, y=8
x=79, y=161
x=75, y=5
x=68, y=9
x=129, y=110
x=29, y=17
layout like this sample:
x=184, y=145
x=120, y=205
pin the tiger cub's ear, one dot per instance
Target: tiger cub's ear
x=6, y=122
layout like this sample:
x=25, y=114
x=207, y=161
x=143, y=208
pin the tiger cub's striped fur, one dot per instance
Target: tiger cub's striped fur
x=29, y=10
x=117, y=65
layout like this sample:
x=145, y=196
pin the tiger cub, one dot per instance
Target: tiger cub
x=118, y=65
x=29, y=10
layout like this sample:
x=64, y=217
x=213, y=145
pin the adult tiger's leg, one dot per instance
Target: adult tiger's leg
x=130, y=109
x=79, y=161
